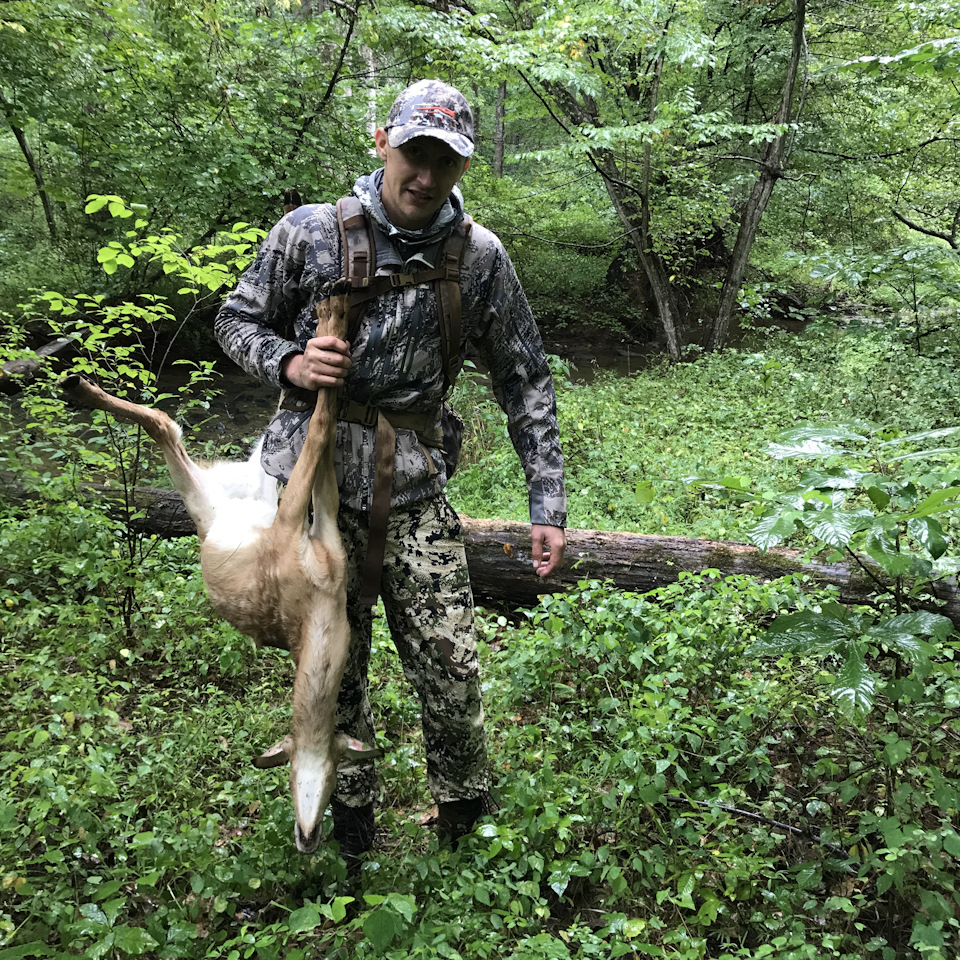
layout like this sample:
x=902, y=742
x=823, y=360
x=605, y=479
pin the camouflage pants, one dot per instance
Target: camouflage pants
x=426, y=594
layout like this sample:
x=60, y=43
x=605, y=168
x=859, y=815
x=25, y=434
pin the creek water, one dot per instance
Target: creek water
x=239, y=406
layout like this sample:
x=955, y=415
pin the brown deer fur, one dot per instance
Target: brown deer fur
x=281, y=582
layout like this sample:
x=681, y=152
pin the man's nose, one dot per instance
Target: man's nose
x=426, y=175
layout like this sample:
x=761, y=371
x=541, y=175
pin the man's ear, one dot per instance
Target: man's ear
x=380, y=139
x=466, y=166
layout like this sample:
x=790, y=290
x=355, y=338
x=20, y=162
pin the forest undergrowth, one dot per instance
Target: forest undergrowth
x=674, y=778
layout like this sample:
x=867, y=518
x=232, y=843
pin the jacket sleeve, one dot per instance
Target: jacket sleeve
x=257, y=324
x=509, y=343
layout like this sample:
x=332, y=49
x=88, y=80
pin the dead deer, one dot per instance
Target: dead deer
x=275, y=573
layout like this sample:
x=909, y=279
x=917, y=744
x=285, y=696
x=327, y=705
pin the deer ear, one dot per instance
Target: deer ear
x=351, y=749
x=276, y=756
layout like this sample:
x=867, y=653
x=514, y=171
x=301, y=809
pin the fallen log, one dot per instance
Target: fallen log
x=499, y=557
x=14, y=373
x=498, y=554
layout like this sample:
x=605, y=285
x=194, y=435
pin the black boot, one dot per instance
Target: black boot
x=455, y=818
x=353, y=829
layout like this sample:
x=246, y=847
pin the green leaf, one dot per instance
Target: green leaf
x=923, y=435
x=883, y=551
x=380, y=928
x=929, y=534
x=133, y=940
x=105, y=890
x=735, y=483
x=836, y=527
x=306, y=918
x=855, y=686
x=937, y=453
x=404, y=905
x=938, y=502
x=815, y=440
x=907, y=644
x=895, y=752
x=92, y=912
x=924, y=622
x=34, y=949
x=774, y=528
x=95, y=203
x=941, y=55
x=645, y=492
x=810, y=448
x=336, y=910
x=807, y=632
x=951, y=842
x=836, y=479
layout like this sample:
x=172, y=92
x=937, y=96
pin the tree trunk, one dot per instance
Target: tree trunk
x=636, y=222
x=499, y=131
x=34, y=168
x=632, y=205
x=498, y=554
x=771, y=169
x=652, y=262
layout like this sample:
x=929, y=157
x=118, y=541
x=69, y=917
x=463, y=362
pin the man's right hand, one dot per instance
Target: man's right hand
x=324, y=363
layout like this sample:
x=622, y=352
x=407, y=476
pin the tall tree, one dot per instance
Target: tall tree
x=17, y=127
x=201, y=116
x=771, y=169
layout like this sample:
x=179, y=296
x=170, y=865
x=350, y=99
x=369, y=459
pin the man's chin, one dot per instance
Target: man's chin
x=420, y=213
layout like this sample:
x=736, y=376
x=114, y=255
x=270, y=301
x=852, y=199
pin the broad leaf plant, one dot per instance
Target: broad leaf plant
x=871, y=498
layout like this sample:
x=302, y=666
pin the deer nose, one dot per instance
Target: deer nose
x=307, y=843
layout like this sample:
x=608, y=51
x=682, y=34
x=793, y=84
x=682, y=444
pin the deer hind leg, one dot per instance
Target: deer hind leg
x=187, y=477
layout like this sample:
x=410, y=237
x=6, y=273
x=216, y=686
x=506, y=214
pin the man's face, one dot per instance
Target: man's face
x=417, y=178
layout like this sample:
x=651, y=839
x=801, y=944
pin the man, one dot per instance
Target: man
x=393, y=367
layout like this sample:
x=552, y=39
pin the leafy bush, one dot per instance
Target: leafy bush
x=663, y=791
x=672, y=779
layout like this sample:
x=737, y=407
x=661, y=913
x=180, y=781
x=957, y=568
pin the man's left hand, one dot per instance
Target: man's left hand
x=549, y=544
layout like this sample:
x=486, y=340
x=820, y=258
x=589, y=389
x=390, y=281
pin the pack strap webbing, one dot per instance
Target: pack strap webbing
x=379, y=512
x=360, y=268
x=365, y=289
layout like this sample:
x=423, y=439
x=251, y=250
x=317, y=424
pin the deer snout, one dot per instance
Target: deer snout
x=313, y=779
x=307, y=843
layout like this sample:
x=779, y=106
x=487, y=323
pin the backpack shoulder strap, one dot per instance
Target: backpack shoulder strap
x=360, y=267
x=449, y=301
x=359, y=255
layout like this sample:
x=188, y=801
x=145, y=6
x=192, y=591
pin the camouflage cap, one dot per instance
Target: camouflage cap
x=431, y=108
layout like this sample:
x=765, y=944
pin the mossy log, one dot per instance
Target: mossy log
x=499, y=556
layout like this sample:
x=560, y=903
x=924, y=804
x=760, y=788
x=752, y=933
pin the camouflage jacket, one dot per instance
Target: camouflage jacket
x=396, y=353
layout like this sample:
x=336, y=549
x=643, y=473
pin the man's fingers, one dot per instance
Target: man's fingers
x=548, y=545
x=325, y=363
